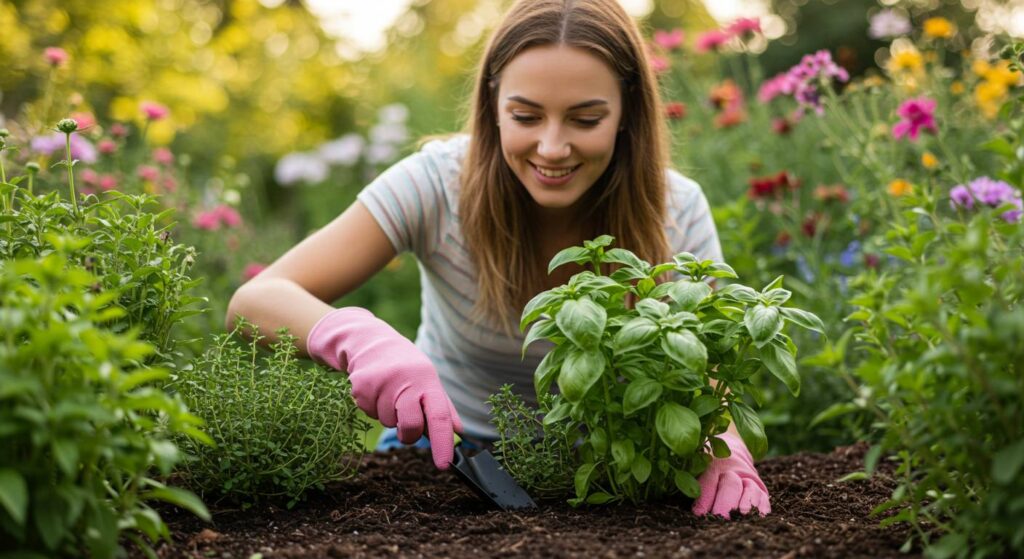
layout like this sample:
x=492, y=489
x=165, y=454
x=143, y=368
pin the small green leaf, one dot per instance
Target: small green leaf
x=14, y=495
x=641, y=468
x=623, y=453
x=640, y=393
x=687, y=484
x=719, y=448
x=182, y=498
x=581, y=480
x=548, y=369
x=763, y=323
x=740, y=293
x=581, y=369
x=599, y=498
x=557, y=413
x=579, y=255
x=1008, y=462
x=803, y=319
x=750, y=428
x=541, y=330
x=582, y=321
x=651, y=308
x=678, y=427
x=777, y=358
x=635, y=334
x=623, y=256
x=688, y=293
x=599, y=441
x=685, y=348
x=705, y=404
x=538, y=305
x=777, y=296
x=721, y=270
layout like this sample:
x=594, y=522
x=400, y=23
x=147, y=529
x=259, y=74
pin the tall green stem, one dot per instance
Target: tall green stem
x=71, y=173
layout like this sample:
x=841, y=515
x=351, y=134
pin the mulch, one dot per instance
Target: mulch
x=401, y=506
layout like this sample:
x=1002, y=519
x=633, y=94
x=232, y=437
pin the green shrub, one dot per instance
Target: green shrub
x=639, y=377
x=82, y=426
x=281, y=426
x=540, y=457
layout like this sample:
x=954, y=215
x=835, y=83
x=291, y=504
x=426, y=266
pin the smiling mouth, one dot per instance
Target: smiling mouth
x=555, y=173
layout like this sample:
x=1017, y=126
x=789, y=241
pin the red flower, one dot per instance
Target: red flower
x=836, y=192
x=782, y=126
x=726, y=96
x=675, y=110
x=871, y=261
x=783, y=238
x=771, y=186
x=730, y=117
x=810, y=225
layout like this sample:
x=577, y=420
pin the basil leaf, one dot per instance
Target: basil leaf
x=582, y=321
x=678, y=427
x=580, y=371
x=763, y=323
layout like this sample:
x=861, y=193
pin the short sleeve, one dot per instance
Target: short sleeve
x=409, y=199
x=692, y=228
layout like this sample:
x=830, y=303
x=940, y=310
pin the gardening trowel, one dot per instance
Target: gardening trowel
x=483, y=473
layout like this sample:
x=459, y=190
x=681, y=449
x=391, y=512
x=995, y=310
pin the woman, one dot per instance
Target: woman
x=565, y=141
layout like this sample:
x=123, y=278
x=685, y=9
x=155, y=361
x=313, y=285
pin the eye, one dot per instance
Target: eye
x=589, y=122
x=523, y=118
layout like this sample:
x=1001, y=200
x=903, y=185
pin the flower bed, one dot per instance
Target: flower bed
x=399, y=505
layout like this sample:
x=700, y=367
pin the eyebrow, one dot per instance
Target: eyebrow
x=583, y=105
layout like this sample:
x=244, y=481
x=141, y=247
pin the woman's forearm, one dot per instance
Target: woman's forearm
x=275, y=303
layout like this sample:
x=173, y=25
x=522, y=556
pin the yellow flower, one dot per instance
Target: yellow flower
x=957, y=88
x=1002, y=74
x=989, y=96
x=873, y=81
x=980, y=67
x=939, y=28
x=900, y=187
x=929, y=161
x=906, y=60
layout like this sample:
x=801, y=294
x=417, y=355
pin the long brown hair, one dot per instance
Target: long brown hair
x=628, y=201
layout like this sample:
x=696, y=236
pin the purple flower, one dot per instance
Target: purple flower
x=915, y=115
x=808, y=77
x=780, y=84
x=81, y=149
x=888, y=23
x=990, y=192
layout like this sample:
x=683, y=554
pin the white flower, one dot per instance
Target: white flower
x=343, y=151
x=395, y=113
x=888, y=23
x=389, y=133
x=300, y=167
x=232, y=197
x=381, y=153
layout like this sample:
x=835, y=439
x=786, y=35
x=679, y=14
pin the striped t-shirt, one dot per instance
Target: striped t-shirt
x=416, y=203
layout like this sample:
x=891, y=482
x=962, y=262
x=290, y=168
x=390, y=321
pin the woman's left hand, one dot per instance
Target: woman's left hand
x=732, y=483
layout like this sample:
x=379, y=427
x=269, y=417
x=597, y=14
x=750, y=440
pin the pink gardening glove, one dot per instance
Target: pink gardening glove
x=732, y=483
x=392, y=380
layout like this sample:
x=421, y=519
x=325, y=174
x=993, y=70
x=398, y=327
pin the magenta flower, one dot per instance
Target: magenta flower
x=154, y=111
x=212, y=220
x=118, y=130
x=228, y=216
x=990, y=192
x=806, y=79
x=669, y=40
x=744, y=26
x=207, y=221
x=55, y=56
x=107, y=146
x=658, y=63
x=108, y=182
x=781, y=84
x=712, y=40
x=915, y=115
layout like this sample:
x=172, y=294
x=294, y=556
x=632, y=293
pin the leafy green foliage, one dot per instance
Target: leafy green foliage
x=83, y=425
x=538, y=455
x=280, y=426
x=639, y=381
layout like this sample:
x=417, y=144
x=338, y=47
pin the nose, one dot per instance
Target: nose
x=552, y=145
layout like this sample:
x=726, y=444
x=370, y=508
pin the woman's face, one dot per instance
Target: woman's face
x=559, y=111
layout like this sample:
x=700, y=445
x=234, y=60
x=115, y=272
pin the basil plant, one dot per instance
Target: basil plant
x=651, y=384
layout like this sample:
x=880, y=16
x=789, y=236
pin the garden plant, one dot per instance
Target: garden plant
x=652, y=383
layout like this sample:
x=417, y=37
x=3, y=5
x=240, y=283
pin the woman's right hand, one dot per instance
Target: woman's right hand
x=392, y=380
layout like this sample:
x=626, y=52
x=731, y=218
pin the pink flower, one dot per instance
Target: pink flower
x=658, y=63
x=90, y=177
x=55, y=56
x=169, y=184
x=252, y=270
x=207, y=221
x=108, y=182
x=163, y=156
x=228, y=215
x=669, y=40
x=711, y=40
x=148, y=173
x=781, y=84
x=107, y=146
x=118, y=130
x=154, y=111
x=84, y=120
x=915, y=115
x=744, y=26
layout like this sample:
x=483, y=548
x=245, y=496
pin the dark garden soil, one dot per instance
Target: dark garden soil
x=400, y=505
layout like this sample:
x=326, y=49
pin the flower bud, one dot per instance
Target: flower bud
x=3, y=142
x=32, y=167
x=67, y=125
x=4, y=132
